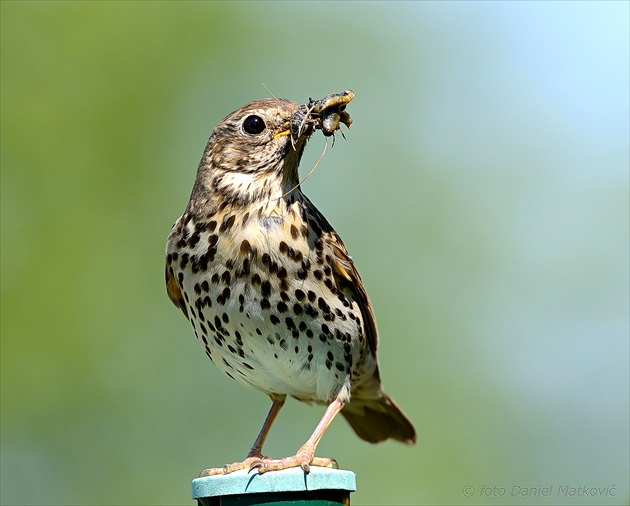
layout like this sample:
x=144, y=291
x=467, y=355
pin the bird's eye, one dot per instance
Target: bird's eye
x=253, y=125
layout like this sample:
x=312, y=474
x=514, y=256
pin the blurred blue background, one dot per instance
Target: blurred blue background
x=482, y=191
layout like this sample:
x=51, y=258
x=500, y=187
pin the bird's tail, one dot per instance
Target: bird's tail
x=377, y=418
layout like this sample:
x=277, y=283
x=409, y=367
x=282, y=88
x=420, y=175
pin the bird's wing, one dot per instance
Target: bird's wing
x=174, y=291
x=347, y=279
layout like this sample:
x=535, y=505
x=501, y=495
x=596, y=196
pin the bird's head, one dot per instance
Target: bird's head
x=253, y=153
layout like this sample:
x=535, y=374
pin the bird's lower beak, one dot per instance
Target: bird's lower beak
x=281, y=132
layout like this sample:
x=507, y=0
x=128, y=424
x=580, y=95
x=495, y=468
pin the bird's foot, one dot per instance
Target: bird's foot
x=304, y=458
x=248, y=463
x=262, y=466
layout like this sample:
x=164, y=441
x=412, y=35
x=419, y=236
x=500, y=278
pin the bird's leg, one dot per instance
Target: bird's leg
x=276, y=405
x=305, y=456
x=254, y=454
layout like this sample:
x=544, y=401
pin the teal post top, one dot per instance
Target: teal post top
x=321, y=487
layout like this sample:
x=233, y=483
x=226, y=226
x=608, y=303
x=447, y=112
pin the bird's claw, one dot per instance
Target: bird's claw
x=295, y=461
x=304, y=458
x=211, y=471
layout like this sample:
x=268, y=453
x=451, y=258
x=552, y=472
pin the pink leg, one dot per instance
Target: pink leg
x=254, y=454
x=305, y=456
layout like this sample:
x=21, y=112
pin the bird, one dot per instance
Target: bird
x=268, y=286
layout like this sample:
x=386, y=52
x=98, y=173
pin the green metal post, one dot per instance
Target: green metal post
x=321, y=487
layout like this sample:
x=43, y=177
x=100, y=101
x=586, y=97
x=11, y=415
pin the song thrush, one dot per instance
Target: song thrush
x=271, y=292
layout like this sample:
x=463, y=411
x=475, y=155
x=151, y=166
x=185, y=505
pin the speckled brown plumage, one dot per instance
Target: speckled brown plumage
x=268, y=286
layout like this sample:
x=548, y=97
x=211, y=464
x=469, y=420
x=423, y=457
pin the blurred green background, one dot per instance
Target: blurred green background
x=482, y=191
